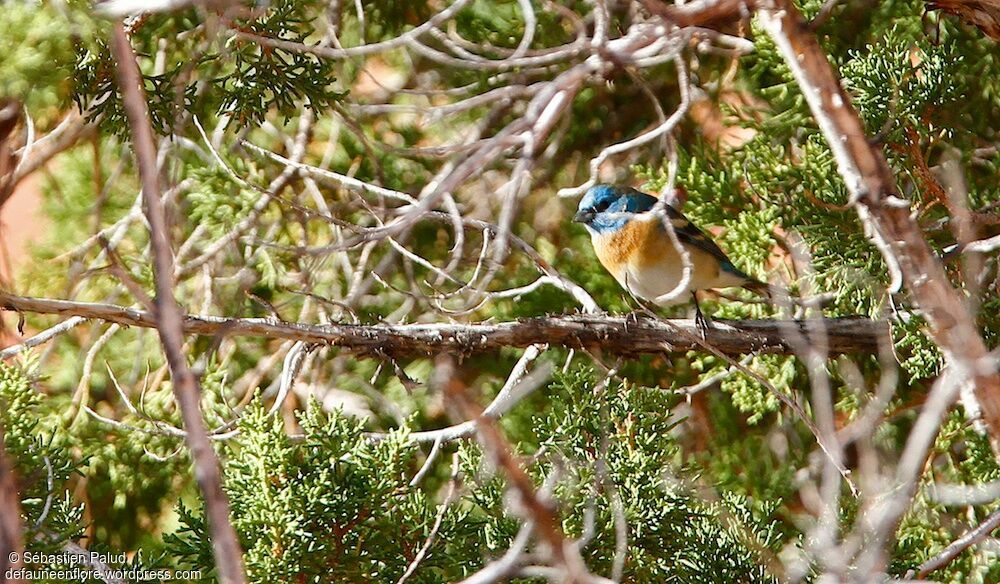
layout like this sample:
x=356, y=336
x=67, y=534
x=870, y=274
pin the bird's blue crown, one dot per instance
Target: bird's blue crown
x=606, y=208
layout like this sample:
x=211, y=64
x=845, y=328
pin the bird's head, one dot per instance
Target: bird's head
x=606, y=208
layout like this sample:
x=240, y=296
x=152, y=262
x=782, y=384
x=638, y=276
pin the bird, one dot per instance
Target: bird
x=630, y=235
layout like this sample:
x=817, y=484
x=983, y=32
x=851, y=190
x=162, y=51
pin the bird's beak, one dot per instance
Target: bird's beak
x=584, y=217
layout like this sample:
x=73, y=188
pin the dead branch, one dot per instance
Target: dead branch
x=706, y=13
x=518, y=386
x=41, y=338
x=10, y=115
x=169, y=319
x=535, y=507
x=974, y=536
x=873, y=190
x=616, y=335
x=74, y=128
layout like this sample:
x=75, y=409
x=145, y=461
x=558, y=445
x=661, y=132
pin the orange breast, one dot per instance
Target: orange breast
x=634, y=244
x=641, y=256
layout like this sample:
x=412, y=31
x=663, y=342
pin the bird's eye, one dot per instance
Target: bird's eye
x=602, y=206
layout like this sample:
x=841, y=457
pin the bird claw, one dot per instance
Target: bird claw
x=701, y=322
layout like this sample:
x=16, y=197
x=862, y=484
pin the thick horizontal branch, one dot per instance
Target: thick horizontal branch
x=611, y=334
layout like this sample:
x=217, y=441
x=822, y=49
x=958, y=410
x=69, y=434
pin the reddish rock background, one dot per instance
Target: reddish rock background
x=21, y=224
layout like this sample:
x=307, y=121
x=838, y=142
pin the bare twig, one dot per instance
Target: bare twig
x=507, y=564
x=42, y=337
x=885, y=513
x=452, y=487
x=564, y=556
x=517, y=387
x=365, y=49
x=70, y=131
x=663, y=129
x=705, y=13
x=974, y=536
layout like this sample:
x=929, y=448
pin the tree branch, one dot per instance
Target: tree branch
x=169, y=320
x=974, y=536
x=615, y=335
x=873, y=191
x=535, y=506
x=41, y=338
x=70, y=131
x=704, y=13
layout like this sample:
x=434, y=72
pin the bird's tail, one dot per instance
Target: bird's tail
x=773, y=292
x=758, y=287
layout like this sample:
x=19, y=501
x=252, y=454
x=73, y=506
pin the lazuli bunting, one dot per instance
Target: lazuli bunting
x=632, y=241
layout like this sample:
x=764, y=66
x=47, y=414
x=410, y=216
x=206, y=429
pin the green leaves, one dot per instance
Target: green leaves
x=616, y=446
x=39, y=453
x=217, y=200
x=250, y=81
x=332, y=505
x=920, y=357
x=335, y=505
x=315, y=499
x=894, y=83
x=37, y=56
x=751, y=396
x=257, y=79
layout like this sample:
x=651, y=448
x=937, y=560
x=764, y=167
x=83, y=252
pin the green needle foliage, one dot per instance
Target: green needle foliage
x=42, y=460
x=333, y=504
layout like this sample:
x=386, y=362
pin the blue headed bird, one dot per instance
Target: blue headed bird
x=633, y=243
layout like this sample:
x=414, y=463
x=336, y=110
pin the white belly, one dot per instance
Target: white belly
x=664, y=285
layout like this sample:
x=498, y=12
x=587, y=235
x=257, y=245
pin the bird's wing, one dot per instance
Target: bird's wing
x=686, y=231
x=688, y=234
